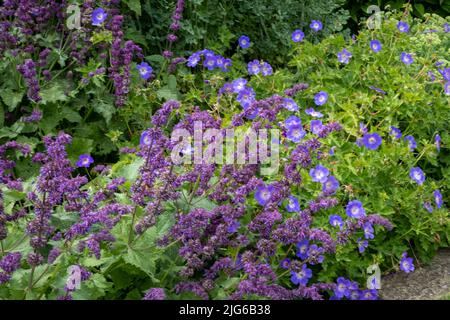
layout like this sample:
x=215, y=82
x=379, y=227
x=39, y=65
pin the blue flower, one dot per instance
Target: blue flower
x=447, y=88
x=370, y=294
x=226, y=65
x=437, y=142
x=445, y=73
x=316, y=126
x=244, y=42
x=355, y=209
x=266, y=69
x=431, y=75
x=344, y=56
x=446, y=27
x=428, y=206
x=292, y=121
x=292, y=205
x=411, y=142
x=290, y=104
x=363, y=128
x=302, y=277
x=438, y=198
x=145, y=70
x=297, y=35
x=263, y=194
x=319, y=174
x=315, y=254
x=85, y=160
x=372, y=140
x=253, y=67
x=330, y=186
x=234, y=227
x=375, y=45
x=321, y=98
x=406, y=263
x=406, y=58
x=209, y=62
x=316, y=25
x=246, y=97
x=285, y=263
x=395, y=132
x=378, y=90
x=368, y=230
x=402, y=26
x=239, y=85
x=98, y=16
x=295, y=133
x=336, y=221
x=193, y=59
x=362, y=245
x=417, y=175
x=302, y=249
x=342, y=288
x=313, y=113
x=146, y=139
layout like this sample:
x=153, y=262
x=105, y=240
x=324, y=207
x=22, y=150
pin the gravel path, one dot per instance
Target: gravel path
x=427, y=283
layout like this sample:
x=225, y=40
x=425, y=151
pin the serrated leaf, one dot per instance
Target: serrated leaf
x=71, y=115
x=53, y=93
x=134, y=5
x=144, y=260
x=11, y=98
x=105, y=109
x=166, y=94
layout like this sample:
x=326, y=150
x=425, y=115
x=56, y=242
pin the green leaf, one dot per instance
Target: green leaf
x=141, y=259
x=166, y=94
x=134, y=5
x=11, y=98
x=53, y=93
x=71, y=115
x=105, y=109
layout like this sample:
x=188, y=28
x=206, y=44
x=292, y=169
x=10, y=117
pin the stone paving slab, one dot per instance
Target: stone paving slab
x=431, y=282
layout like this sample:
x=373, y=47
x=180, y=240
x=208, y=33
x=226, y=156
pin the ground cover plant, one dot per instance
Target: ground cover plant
x=111, y=180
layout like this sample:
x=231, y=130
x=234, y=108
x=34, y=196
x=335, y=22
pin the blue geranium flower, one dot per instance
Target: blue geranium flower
x=417, y=175
x=244, y=42
x=292, y=121
x=372, y=140
x=362, y=245
x=85, y=160
x=402, y=26
x=99, y=15
x=302, y=277
x=438, y=198
x=316, y=25
x=290, y=104
x=330, y=185
x=336, y=221
x=313, y=113
x=145, y=70
x=406, y=58
x=406, y=263
x=355, y=209
x=293, y=204
x=295, y=133
x=266, y=69
x=321, y=98
x=395, y=132
x=263, y=194
x=375, y=45
x=253, y=67
x=302, y=249
x=344, y=56
x=297, y=35
x=319, y=174
x=411, y=142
